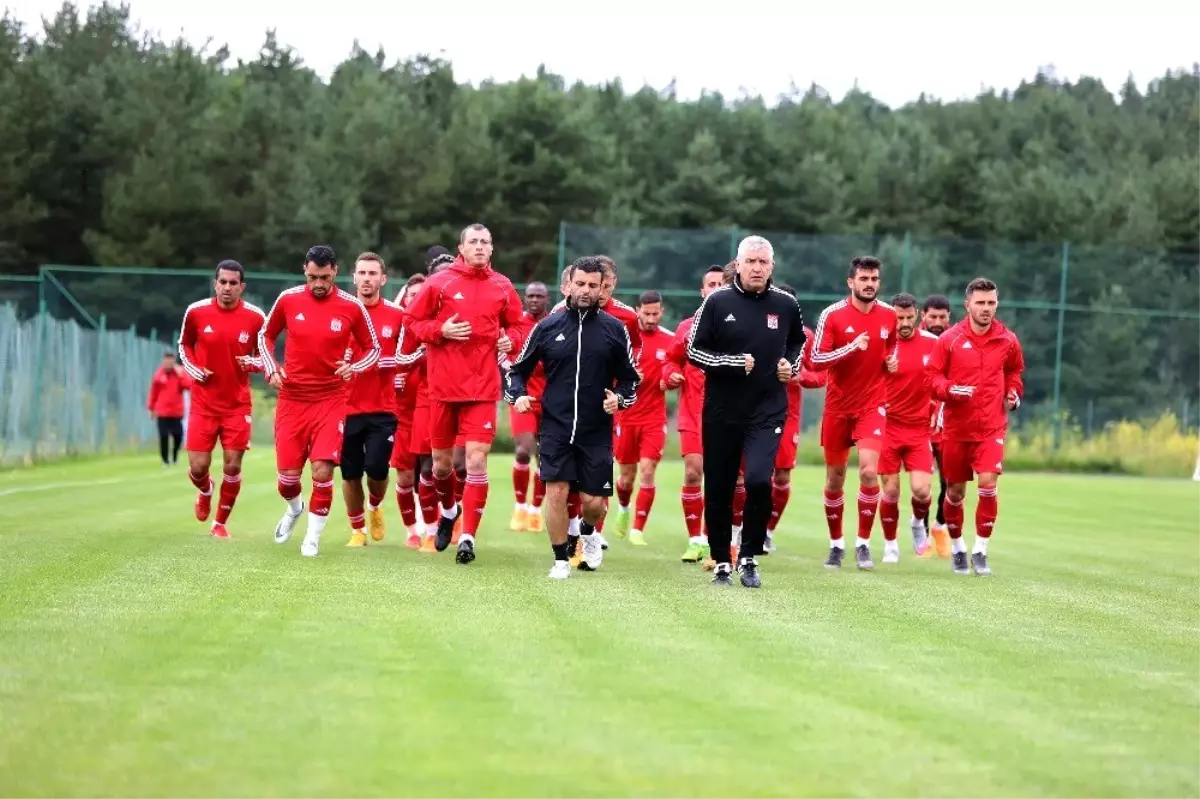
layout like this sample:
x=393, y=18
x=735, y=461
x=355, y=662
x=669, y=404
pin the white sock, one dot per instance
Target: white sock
x=295, y=505
x=837, y=543
x=466, y=537
x=893, y=544
x=702, y=540
x=450, y=513
x=862, y=542
x=372, y=508
x=573, y=527
x=624, y=509
x=533, y=511
x=316, y=525
x=980, y=545
x=957, y=545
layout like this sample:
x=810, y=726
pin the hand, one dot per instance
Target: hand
x=962, y=392
x=749, y=363
x=151, y=414
x=1012, y=400
x=504, y=344
x=783, y=370
x=342, y=370
x=610, y=402
x=863, y=341
x=675, y=380
x=892, y=363
x=523, y=404
x=454, y=330
x=244, y=361
x=399, y=381
x=276, y=380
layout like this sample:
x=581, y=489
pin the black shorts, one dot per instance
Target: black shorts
x=588, y=468
x=367, y=440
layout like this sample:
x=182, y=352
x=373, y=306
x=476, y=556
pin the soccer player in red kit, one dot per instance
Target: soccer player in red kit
x=407, y=386
x=679, y=373
x=935, y=317
x=524, y=426
x=322, y=323
x=906, y=439
x=370, y=428
x=642, y=430
x=976, y=368
x=853, y=340
x=217, y=342
x=789, y=442
x=462, y=315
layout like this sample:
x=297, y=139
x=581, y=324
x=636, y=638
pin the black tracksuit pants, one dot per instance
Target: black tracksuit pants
x=724, y=446
x=170, y=432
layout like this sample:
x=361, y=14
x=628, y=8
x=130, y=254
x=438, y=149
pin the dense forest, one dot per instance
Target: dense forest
x=119, y=148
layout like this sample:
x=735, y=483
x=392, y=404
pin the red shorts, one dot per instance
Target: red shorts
x=455, y=423
x=908, y=447
x=418, y=439
x=691, y=440
x=639, y=442
x=962, y=460
x=232, y=429
x=789, y=442
x=840, y=433
x=525, y=423
x=402, y=455
x=309, y=430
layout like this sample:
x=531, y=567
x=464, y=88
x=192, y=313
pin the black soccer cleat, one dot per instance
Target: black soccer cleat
x=959, y=562
x=749, y=573
x=834, y=561
x=466, y=551
x=862, y=557
x=979, y=561
x=722, y=575
x=445, y=531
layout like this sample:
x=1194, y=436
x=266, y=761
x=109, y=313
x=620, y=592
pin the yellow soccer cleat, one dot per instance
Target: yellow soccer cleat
x=520, y=520
x=637, y=538
x=376, y=524
x=357, y=539
x=941, y=540
x=428, y=545
x=576, y=557
x=534, y=521
x=709, y=564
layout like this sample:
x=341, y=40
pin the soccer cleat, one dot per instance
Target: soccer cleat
x=862, y=557
x=519, y=522
x=694, y=553
x=769, y=544
x=466, y=551
x=624, y=518
x=979, y=562
x=921, y=543
x=534, y=524
x=414, y=541
x=576, y=555
x=593, y=553
x=428, y=545
x=445, y=529
x=219, y=531
x=376, y=524
x=561, y=570
x=834, y=561
x=709, y=563
x=891, y=551
x=310, y=545
x=357, y=539
x=283, y=530
x=748, y=569
x=722, y=575
x=204, y=503
x=603, y=543
x=959, y=563
x=941, y=540
x=637, y=538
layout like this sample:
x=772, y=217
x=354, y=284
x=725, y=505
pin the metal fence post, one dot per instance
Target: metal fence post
x=40, y=363
x=100, y=389
x=562, y=246
x=1058, y=344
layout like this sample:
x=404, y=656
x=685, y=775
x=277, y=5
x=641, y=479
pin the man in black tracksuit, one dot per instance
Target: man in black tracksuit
x=590, y=375
x=747, y=338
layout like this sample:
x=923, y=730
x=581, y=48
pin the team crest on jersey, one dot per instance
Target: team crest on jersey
x=925, y=360
x=661, y=355
x=243, y=337
x=249, y=418
x=386, y=332
x=335, y=325
x=883, y=333
x=773, y=321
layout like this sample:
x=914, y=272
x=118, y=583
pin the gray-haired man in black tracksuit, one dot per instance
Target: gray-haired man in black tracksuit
x=747, y=338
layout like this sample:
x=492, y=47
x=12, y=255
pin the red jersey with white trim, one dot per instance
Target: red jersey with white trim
x=409, y=381
x=214, y=338
x=319, y=331
x=691, y=391
x=990, y=365
x=857, y=378
x=908, y=399
x=651, y=405
x=373, y=390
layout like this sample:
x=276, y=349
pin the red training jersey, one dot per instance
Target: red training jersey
x=319, y=331
x=213, y=338
x=990, y=365
x=691, y=391
x=651, y=405
x=373, y=390
x=857, y=378
x=166, y=392
x=805, y=378
x=908, y=400
x=465, y=371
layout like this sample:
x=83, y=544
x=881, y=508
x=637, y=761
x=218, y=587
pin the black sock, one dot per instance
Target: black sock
x=561, y=551
x=585, y=528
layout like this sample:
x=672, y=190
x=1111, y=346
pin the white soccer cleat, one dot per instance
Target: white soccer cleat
x=311, y=543
x=603, y=542
x=891, y=551
x=593, y=552
x=283, y=530
x=561, y=570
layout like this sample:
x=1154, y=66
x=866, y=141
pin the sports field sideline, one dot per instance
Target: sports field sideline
x=139, y=656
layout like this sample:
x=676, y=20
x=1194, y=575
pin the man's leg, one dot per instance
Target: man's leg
x=835, y=442
x=319, y=503
x=888, y=467
x=539, y=496
x=920, y=482
x=760, y=447
x=443, y=426
x=478, y=424
x=523, y=443
x=231, y=486
x=723, y=454
x=176, y=437
x=941, y=536
x=428, y=499
x=199, y=463
x=986, y=463
x=352, y=464
x=291, y=450
x=647, y=467
x=164, y=440
x=327, y=423
x=957, y=457
x=381, y=434
x=781, y=492
x=626, y=474
x=691, y=497
x=556, y=527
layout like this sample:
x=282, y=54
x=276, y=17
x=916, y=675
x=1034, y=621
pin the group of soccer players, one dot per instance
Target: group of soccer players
x=371, y=385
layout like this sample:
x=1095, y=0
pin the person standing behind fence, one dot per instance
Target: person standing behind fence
x=165, y=403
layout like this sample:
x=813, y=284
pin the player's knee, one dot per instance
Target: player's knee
x=868, y=473
x=523, y=456
x=322, y=472
x=232, y=469
x=921, y=493
x=592, y=508
x=377, y=473
x=955, y=492
x=782, y=478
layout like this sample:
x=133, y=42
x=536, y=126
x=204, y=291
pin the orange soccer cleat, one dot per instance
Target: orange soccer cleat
x=414, y=540
x=219, y=531
x=428, y=544
x=941, y=540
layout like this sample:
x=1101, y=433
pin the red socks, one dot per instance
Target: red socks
x=202, y=482
x=603, y=516
x=868, y=504
x=920, y=509
x=460, y=486
x=289, y=486
x=520, y=477
x=474, y=498
x=692, y=500
x=427, y=494
x=624, y=493
x=889, y=516
x=954, y=517
x=358, y=521
x=986, y=511
x=835, y=504
x=780, y=494
x=230, y=486
x=444, y=486
x=739, y=504
x=322, y=498
x=407, y=504
x=539, y=490
x=645, y=501
x=374, y=500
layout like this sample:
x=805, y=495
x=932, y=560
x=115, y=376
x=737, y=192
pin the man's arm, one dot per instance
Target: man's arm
x=937, y=379
x=527, y=360
x=423, y=312
x=824, y=356
x=1014, y=367
x=152, y=396
x=702, y=338
x=808, y=377
x=797, y=335
x=272, y=327
x=676, y=358
x=187, y=345
x=627, y=376
x=512, y=320
x=364, y=335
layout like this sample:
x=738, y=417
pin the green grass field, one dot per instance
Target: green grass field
x=140, y=657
